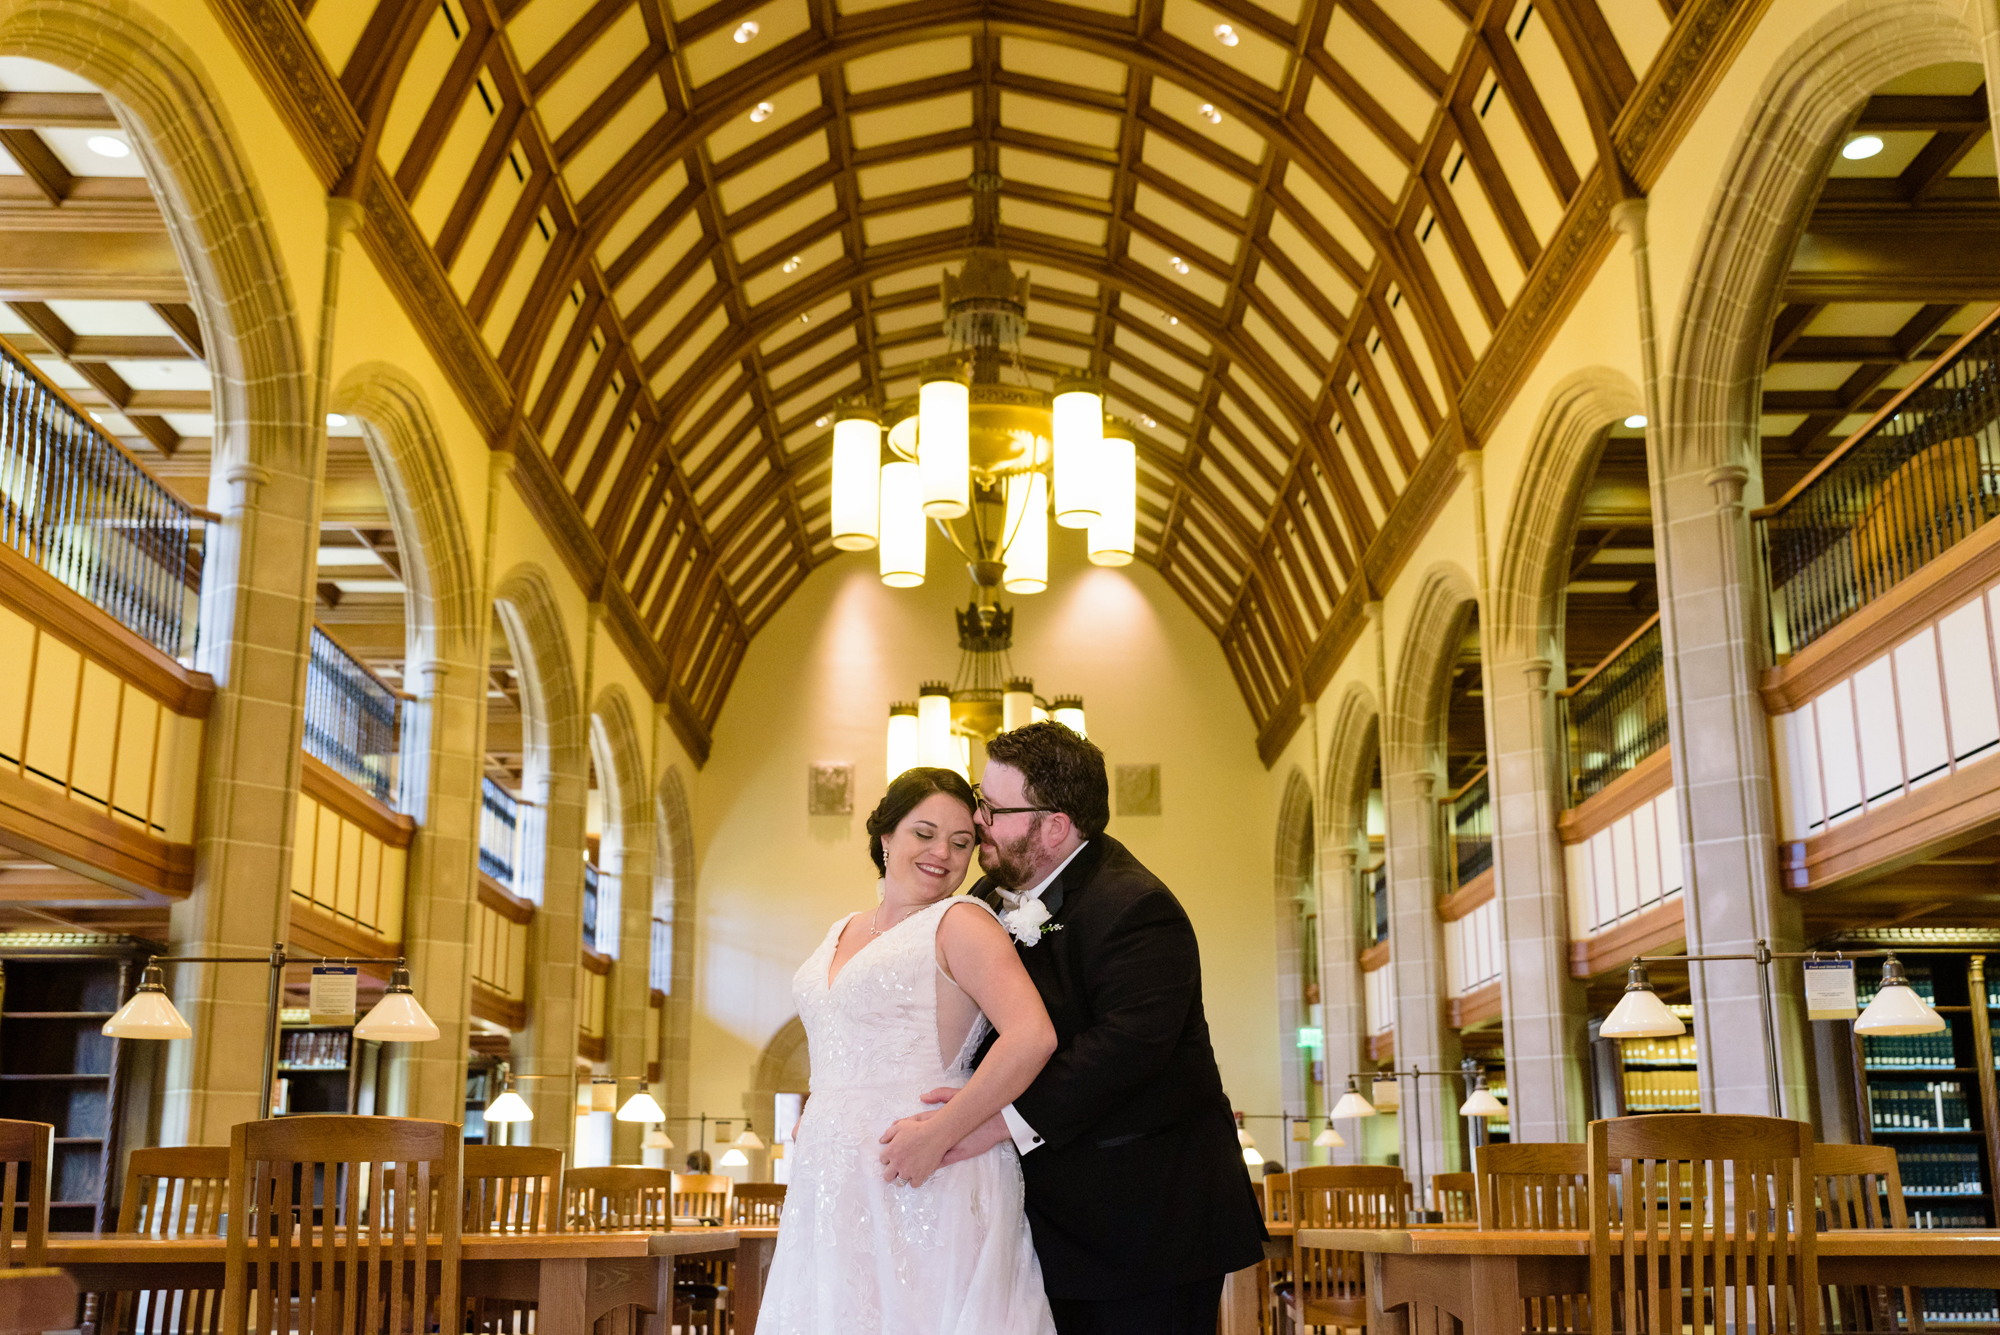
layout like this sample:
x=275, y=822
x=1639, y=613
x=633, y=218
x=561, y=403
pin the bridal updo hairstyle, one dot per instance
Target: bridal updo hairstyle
x=1062, y=769
x=911, y=787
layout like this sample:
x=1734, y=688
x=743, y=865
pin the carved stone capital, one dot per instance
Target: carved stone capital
x=1471, y=465
x=247, y=479
x=1727, y=481
x=1426, y=782
x=1536, y=672
x=343, y=215
x=1628, y=218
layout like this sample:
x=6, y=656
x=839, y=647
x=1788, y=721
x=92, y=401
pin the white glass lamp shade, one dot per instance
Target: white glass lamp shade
x=1079, y=432
x=734, y=1159
x=1068, y=711
x=935, y=747
x=150, y=1013
x=642, y=1107
x=1896, y=1009
x=397, y=1018
x=944, y=406
x=656, y=1140
x=1026, y=555
x=900, y=553
x=857, y=490
x=1113, y=531
x=1640, y=1013
x=1017, y=704
x=1245, y=1139
x=1481, y=1103
x=1352, y=1104
x=749, y=1140
x=903, y=752
x=1251, y=1157
x=509, y=1107
x=1328, y=1138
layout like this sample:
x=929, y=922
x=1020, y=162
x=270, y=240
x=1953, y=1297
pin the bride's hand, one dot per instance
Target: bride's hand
x=913, y=1149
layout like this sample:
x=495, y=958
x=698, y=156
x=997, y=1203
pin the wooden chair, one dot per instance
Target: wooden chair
x=1454, y=1196
x=1275, y=1194
x=1861, y=1186
x=595, y=1199
x=1329, y=1287
x=1706, y=1234
x=329, y=1227
x=36, y=1300
x=512, y=1189
x=758, y=1203
x=27, y=1157
x=1543, y=1187
x=703, y=1195
x=170, y=1193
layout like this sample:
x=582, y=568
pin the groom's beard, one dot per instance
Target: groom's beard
x=1011, y=864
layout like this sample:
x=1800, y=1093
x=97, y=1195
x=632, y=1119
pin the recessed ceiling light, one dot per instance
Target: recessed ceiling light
x=1636, y=420
x=762, y=111
x=1180, y=265
x=806, y=318
x=1226, y=34
x=820, y=420
x=1210, y=114
x=1171, y=319
x=108, y=146
x=1862, y=146
x=1147, y=421
x=335, y=420
x=745, y=31
x=791, y=265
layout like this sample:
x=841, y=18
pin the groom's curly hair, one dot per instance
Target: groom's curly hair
x=1061, y=768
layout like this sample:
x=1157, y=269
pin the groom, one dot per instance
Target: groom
x=1136, y=1190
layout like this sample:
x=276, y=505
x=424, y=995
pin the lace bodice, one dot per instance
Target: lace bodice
x=890, y=1014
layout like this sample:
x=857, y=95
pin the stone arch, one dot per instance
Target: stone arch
x=674, y=905
x=1710, y=386
x=1351, y=756
x=1343, y=845
x=1446, y=597
x=1294, y=880
x=550, y=870
x=1525, y=602
x=625, y=871
x=784, y=1067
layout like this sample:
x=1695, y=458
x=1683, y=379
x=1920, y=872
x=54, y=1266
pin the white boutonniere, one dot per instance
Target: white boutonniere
x=1026, y=921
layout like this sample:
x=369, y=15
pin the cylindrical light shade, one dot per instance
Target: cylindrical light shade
x=603, y=1095
x=901, y=552
x=1079, y=432
x=1068, y=711
x=944, y=405
x=857, y=494
x=1113, y=531
x=1017, y=704
x=150, y=1013
x=904, y=753
x=1481, y=1103
x=642, y=1107
x=1640, y=1013
x=934, y=744
x=1896, y=1009
x=1027, y=553
x=509, y=1107
x=734, y=1159
x=1328, y=1138
x=397, y=1018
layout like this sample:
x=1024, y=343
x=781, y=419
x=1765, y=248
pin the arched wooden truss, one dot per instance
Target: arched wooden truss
x=1308, y=261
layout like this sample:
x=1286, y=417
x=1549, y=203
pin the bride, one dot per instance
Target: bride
x=895, y=1003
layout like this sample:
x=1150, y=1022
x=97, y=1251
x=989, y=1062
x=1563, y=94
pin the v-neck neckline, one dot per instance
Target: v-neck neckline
x=834, y=977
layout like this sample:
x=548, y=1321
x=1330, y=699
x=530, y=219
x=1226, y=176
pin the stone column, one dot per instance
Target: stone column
x=630, y=982
x=256, y=620
x=441, y=782
x=1416, y=963
x=552, y=837
x=1340, y=999
x=1544, y=1015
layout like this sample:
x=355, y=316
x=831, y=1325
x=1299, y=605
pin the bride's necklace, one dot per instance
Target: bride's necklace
x=874, y=931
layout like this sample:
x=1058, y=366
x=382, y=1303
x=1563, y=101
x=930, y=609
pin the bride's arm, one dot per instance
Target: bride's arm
x=979, y=956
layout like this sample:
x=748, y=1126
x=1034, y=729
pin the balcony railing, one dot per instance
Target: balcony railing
x=352, y=718
x=1375, y=903
x=1919, y=477
x=75, y=503
x=589, y=906
x=1617, y=715
x=1470, y=812
x=499, y=827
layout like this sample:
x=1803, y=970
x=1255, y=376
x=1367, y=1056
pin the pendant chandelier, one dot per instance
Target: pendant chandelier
x=982, y=452
x=985, y=699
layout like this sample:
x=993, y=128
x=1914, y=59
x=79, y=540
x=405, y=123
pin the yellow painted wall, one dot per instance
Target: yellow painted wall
x=816, y=686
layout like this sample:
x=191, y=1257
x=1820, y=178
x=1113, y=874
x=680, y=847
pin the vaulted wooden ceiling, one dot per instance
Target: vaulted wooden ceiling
x=1289, y=235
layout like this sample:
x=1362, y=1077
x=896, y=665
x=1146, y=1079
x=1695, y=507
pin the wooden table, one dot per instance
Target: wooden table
x=1481, y=1277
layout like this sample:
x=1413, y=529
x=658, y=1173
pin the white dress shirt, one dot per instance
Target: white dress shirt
x=1024, y=1135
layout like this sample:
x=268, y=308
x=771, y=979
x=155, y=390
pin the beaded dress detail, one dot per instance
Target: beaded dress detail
x=855, y=1253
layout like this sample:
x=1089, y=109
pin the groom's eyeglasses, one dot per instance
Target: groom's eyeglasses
x=988, y=811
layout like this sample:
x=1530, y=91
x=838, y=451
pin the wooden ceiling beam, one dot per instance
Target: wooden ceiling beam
x=91, y=266
x=57, y=111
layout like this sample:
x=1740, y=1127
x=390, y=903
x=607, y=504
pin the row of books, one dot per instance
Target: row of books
x=1660, y=1051
x=314, y=1049
x=1945, y=1219
x=1661, y=1091
x=1940, y=1172
x=1955, y=1305
x=1920, y=983
x=1938, y=1106
x=1911, y=1051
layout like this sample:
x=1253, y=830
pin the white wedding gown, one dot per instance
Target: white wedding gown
x=857, y=1254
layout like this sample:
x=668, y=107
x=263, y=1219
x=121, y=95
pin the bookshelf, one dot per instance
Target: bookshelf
x=317, y=1069
x=56, y=1066
x=480, y=1089
x=1658, y=1075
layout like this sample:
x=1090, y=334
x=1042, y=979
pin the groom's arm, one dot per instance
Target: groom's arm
x=1142, y=981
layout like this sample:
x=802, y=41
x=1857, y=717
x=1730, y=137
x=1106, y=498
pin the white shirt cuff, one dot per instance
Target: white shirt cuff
x=1024, y=1135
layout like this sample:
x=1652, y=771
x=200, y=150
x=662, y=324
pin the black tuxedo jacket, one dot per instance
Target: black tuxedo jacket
x=1139, y=1184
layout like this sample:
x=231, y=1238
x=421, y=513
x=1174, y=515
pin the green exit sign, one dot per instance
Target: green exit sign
x=1310, y=1038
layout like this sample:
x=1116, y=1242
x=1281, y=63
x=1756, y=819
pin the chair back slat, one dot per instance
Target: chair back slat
x=1276, y=1191
x=1329, y=1286
x=605, y=1198
x=1453, y=1196
x=27, y=1156
x=1860, y=1186
x=329, y=1227
x=512, y=1189
x=703, y=1195
x=180, y=1192
x=1713, y=1230
x=1533, y=1187
x=758, y=1203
